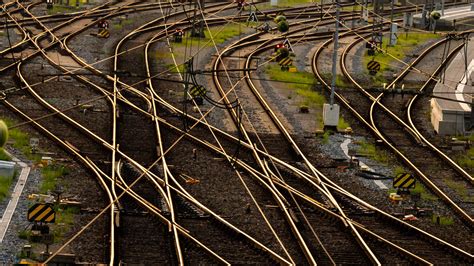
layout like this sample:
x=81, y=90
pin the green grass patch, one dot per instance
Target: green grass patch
x=405, y=44
x=341, y=81
x=398, y=170
x=325, y=136
x=219, y=34
x=24, y=234
x=443, y=220
x=21, y=141
x=466, y=160
x=64, y=222
x=4, y=156
x=5, y=184
x=121, y=24
x=301, y=82
x=424, y=194
x=469, y=137
x=460, y=188
x=342, y=124
x=356, y=8
x=162, y=56
x=284, y=3
x=51, y=174
x=372, y=152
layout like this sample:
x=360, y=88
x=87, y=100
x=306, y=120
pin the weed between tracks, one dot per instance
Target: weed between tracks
x=119, y=26
x=372, y=152
x=460, y=188
x=443, y=220
x=341, y=81
x=67, y=6
x=21, y=141
x=219, y=34
x=424, y=194
x=342, y=124
x=285, y=3
x=300, y=82
x=51, y=175
x=466, y=160
x=64, y=222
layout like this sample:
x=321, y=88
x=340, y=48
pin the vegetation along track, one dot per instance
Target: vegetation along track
x=359, y=111
x=404, y=145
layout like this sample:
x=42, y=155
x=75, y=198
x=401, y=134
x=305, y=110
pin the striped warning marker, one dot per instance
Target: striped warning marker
x=104, y=33
x=404, y=180
x=41, y=212
x=197, y=91
x=373, y=67
x=285, y=61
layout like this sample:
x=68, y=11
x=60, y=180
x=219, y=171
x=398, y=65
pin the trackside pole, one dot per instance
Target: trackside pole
x=331, y=110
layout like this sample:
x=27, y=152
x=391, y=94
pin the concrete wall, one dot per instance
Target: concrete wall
x=447, y=122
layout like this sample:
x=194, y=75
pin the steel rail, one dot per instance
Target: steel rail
x=276, y=197
x=154, y=209
x=188, y=236
x=256, y=173
x=105, y=144
x=85, y=160
x=166, y=176
x=420, y=174
x=412, y=127
x=288, y=137
x=229, y=136
x=256, y=156
x=347, y=104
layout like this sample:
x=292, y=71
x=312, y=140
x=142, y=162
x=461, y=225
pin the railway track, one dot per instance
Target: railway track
x=358, y=110
x=153, y=182
x=406, y=146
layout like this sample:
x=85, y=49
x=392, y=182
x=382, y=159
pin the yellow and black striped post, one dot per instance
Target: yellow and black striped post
x=104, y=33
x=404, y=180
x=373, y=67
x=41, y=212
x=197, y=91
x=285, y=61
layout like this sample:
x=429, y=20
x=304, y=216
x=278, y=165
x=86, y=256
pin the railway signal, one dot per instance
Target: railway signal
x=178, y=36
x=278, y=46
x=252, y=17
x=103, y=24
x=288, y=45
x=281, y=52
x=241, y=4
x=371, y=45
